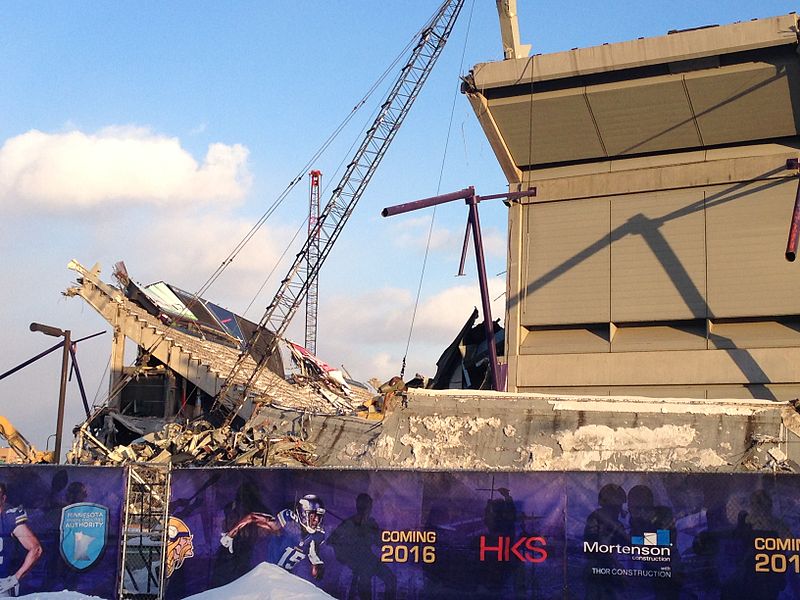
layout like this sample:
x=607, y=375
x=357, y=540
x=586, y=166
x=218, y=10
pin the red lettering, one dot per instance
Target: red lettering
x=485, y=548
x=530, y=544
x=525, y=549
x=515, y=548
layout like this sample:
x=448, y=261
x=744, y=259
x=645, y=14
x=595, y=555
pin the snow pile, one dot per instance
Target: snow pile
x=65, y=595
x=265, y=582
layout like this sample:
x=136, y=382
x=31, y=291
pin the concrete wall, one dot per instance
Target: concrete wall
x=457, y=429
x=657, y=279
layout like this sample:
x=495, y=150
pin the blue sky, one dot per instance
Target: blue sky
x=157, y=133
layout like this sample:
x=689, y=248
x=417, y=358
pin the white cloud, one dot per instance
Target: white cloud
x=369, y=331
x=186, y=249
x=495, y=242
x=384, y=315
x=413, y=233
x=445, y=313
x=117, y=164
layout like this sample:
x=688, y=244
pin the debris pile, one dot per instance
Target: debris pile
x=199, y=444
x=163, y=408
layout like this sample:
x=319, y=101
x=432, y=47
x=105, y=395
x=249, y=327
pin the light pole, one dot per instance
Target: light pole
x=62, y=393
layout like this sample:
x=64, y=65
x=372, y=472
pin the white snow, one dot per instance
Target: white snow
x=65, y=595
x=265, y=582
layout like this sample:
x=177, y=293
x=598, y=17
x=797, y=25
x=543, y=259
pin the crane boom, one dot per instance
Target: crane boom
x=359, y=171
x=351, y=187
x=312, y=296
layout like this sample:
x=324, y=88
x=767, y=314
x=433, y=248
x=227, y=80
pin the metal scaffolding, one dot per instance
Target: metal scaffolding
x=144, y=533
x=347, y=193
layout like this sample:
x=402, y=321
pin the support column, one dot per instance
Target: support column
x=117, y=363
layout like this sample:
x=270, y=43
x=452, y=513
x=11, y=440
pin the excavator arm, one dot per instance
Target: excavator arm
x=21, y=446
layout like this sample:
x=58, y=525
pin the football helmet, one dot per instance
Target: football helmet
x=310, y=511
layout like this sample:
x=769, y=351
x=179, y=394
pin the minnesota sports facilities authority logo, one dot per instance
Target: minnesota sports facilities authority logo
x=659, y=537
x=84, y=530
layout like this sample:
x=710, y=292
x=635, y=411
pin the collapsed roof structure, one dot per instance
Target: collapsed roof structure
x=186, y=351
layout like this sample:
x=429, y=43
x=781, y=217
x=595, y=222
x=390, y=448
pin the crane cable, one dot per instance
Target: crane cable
x=309, y=163
x=356, y=140
x=137, y=365
x=438, y=189
x=341, y=164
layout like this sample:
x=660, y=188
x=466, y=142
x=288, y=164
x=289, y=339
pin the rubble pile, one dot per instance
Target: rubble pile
x=199, y=444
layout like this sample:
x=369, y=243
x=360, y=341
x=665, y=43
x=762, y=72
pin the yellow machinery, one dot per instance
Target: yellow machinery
x=23, y=448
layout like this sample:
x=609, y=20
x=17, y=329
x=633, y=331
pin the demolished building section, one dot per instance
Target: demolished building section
x=649, y=263
x=177, y=375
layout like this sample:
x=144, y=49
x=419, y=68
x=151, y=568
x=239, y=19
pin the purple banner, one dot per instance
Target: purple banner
x=650, y=535
x=391, y=533
x=59, y=529
x=403, y=534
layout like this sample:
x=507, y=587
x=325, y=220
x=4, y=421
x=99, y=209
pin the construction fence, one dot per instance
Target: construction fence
x=144, y=532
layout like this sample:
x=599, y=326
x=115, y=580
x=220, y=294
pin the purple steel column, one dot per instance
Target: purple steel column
x=473, y=221
x=488, y=325
x=794, y=229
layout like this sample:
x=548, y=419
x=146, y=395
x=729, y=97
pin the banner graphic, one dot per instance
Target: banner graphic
x=428, y=534
x=66, y=519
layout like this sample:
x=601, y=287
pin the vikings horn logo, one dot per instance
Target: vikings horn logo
x=179, y=544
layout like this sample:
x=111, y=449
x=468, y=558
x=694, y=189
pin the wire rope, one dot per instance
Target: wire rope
x=438, y=189
x=137, y=364
x=301, y=173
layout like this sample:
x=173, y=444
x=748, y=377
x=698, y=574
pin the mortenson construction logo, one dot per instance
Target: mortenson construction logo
x=650, y=546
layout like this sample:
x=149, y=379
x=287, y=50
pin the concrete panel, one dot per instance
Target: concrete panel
x=745, y=102
x=559, y=122
x=646, y=115
x=755, y=334
x=658, y=263
x=566, y=251
x=495, y=138
x=681, y=335
x=459, y=430
x=747, y=230
x=687, y=367
x=677, y=175
x=791, y=145
x=566, y=340
x=779, y=391
x=684, y=45
x=657, y=160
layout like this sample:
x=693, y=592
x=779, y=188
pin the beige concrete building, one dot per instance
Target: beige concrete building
x=651, y=261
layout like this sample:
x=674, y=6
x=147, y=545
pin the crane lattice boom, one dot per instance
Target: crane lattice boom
x=354, y=181
x=312, y=296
